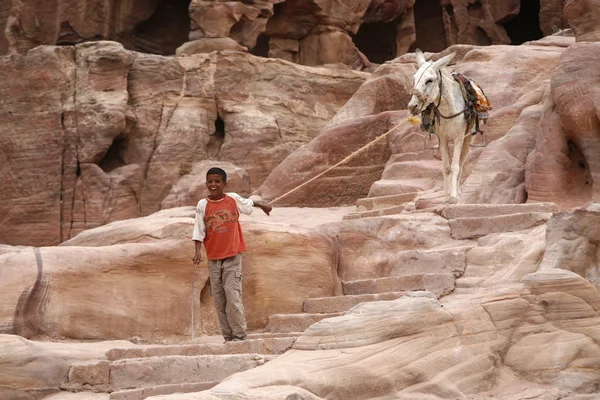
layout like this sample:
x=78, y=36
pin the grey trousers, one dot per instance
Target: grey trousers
x=226, y=288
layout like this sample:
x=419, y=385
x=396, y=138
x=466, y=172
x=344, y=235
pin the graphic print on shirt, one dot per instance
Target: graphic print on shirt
x=217, y=221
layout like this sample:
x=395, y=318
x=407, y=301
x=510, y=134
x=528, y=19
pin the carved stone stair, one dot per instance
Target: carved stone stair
x=272, y=345
x=471, y=221
x=63, y=395
x=438, y=284
x=407, y=176
x=454, y=211
x=375, y=213
x=140, y=394
x=134, y=373
x=338, y=304
x=295, y=323
x=382, y=202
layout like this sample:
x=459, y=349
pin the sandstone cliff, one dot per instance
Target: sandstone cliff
x=381, y=291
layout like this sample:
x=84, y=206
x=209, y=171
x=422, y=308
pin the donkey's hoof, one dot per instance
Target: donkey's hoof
x=453, y=200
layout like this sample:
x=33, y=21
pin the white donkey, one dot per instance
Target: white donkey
x=434, y=84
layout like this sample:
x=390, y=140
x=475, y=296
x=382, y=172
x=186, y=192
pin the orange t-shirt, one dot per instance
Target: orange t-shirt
x=223, y=231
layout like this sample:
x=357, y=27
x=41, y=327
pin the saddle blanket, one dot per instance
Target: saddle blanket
x=474, y=94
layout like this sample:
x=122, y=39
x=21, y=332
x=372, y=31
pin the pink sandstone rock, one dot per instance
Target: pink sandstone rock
x=144, y=25
x=527, y=315
x=486, y=13
x=310, y=33
x=33, y=370
x=105, y=134
x=207, y=45
x=552, y=16
x=571, y=242
x=291, y=179
x=142, y=274
x=510, y=88
x=555, y=311
x=216, y=19
x=565, y=164
x=364, y=255
x=584, y=19
x=192, y=186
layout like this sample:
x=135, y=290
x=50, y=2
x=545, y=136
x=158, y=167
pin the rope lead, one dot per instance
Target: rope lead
x=337, y=165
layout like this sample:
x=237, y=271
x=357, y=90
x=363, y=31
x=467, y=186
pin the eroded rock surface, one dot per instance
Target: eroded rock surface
x=584, y=19
x=516, y=323
x=513, y=78
x=148, y=26
x=142, y=273
x=104, y=134
x=526, y=329
x=34, y=370
x=565, y=165
x=356, y=34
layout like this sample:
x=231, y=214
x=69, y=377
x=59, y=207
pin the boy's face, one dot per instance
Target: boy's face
x=215, y=185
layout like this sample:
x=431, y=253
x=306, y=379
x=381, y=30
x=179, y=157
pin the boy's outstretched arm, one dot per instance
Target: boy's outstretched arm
x=198, y=255
x=263, y=206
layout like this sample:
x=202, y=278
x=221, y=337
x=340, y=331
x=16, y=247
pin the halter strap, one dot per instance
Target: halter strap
x=439, y=100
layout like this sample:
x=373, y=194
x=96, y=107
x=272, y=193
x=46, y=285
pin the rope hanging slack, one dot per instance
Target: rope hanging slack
x=371, y=143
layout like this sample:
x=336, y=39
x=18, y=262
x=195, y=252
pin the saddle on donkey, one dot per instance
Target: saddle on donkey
x=476, y=102
x=477, y=105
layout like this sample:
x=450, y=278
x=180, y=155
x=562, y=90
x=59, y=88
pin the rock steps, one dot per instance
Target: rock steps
x=266, y=345
x=134, y=373
x=337, y=304
x=382, y=202
x=402, y=175
x=64, y=395
x=380, y=212
x=471, y=221
x=389, y=187
x=438, y=284
x=140, y=372
x=290, y=323
x=137, y=373
x=140, y=394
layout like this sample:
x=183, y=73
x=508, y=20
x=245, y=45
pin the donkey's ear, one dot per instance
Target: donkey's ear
x=420, y=57
x=444, y=61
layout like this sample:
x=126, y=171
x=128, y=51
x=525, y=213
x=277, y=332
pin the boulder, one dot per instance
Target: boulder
x=357, y=150
x=572, y=239
x=207, y=45
x=584, y=18
x=134, y=278
x=565, y=165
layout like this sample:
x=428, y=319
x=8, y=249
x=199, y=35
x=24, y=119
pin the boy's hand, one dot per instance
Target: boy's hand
x=263, y=206
x=267, y=209
x=197, y=252
x=197, y=258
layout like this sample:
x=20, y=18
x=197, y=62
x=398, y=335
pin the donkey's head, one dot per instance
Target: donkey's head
x=426, y=82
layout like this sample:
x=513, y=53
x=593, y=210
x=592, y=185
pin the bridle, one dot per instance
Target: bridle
x=437, y=114
x=436, y=109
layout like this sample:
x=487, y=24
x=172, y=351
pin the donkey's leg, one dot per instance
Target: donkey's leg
x=445, y=165
x=463, y=154
x=455, y=168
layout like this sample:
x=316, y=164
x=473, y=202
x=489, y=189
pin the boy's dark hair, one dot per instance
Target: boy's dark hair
x=217, y=171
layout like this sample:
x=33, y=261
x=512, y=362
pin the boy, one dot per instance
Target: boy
x=217, y=226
